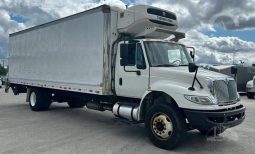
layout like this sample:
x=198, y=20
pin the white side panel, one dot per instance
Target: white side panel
x=69, y=52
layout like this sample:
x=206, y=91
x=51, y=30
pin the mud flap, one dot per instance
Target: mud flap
x=28, y=94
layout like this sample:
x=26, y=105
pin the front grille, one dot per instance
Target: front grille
x=225, y=91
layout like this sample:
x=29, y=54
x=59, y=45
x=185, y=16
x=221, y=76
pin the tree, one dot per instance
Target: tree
x=3, y=71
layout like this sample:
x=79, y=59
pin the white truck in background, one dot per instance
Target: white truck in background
x=120, y=60
x=250, y=88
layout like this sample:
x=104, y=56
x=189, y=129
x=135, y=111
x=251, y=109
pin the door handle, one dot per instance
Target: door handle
x=120, y=81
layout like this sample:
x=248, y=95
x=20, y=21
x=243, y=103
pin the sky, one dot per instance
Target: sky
x=218, y=29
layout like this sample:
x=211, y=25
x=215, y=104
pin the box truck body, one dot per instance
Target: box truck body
x=129, y=62
x=69, y=53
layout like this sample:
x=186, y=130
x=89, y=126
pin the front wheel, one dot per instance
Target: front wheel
x=164, y=125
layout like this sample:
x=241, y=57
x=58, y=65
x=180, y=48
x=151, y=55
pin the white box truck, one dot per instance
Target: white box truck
x=127, y=61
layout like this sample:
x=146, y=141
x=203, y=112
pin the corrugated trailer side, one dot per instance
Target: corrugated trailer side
x=68, y=54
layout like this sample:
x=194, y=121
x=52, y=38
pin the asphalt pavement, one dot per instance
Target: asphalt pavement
x=63, y=130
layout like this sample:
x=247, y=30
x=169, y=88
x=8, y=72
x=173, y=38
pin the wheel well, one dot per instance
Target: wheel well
x=155, y=97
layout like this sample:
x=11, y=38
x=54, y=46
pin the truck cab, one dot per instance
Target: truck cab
x=160, y=71
x=138, y=59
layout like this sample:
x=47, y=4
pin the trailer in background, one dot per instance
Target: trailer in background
x=244, y=74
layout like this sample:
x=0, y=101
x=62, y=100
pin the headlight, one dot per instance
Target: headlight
x=204, y=100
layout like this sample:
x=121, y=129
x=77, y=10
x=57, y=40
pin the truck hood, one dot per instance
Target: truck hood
x=181, y=75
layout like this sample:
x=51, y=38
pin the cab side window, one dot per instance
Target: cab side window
x=134, y=55
x=131, y=54
x=140, y=61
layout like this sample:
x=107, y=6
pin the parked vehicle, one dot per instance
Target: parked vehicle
x=250, y=88
x=120, y=60
x=3, y=80
x=243, y=75
x=1, y=83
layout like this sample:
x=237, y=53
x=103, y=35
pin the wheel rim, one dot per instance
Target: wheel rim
x=162, y=126
x=32, y=99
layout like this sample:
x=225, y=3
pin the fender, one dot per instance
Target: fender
x=143, y=107
x=174, y=91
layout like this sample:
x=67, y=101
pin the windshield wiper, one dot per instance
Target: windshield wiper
x=165, y=65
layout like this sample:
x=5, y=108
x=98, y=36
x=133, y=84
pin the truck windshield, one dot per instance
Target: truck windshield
x=165, y=54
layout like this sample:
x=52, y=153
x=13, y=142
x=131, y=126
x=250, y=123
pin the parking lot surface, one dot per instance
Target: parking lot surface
x=64, y=130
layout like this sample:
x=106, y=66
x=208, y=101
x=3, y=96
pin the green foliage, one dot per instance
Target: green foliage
x=3, y=71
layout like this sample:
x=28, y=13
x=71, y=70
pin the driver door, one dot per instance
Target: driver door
x=132, y=80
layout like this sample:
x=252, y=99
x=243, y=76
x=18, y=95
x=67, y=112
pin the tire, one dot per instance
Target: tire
x=250, y=95
x=39, y=100
x=76, y=104
x=159, y=132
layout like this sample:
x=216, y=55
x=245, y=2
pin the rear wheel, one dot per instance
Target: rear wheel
x=250, y=95
x=164, y=125
x=76, y=104
x=39, y=100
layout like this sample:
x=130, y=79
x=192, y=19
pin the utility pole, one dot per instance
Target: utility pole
x=234, y=54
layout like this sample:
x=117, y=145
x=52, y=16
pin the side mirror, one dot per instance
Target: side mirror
x=124, y=54
x=192, y=67
x=123, y=62
x=233, y=70
x=192, y=55
x=192, y=52
x=124, y=51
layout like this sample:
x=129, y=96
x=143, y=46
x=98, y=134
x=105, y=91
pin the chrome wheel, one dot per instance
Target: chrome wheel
x=162, y=126
x=33, y=99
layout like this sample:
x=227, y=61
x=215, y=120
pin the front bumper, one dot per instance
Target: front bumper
x=252, y=90
x=220, y=119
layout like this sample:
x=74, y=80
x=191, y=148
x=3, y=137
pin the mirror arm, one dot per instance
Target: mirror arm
x=137, y=72
x=192, y=87
x=194, y=52
x=195, y=79
x=199, y=83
